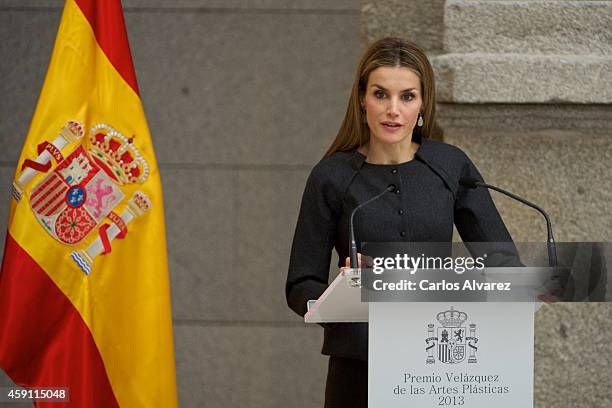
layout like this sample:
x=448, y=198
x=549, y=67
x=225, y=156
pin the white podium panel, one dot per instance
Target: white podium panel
x=476, y=355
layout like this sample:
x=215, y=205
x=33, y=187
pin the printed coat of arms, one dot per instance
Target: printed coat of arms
x=452, y=340
x=85, y=187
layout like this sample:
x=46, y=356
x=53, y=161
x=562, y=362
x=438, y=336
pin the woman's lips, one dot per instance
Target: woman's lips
x=391, y=127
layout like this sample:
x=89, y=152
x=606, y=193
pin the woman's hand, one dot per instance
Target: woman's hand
x=362, y=262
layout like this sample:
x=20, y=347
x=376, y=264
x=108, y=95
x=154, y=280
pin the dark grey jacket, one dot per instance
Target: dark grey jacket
x=428, y=201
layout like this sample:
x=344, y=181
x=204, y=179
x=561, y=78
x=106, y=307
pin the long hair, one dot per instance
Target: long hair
x=387, y=52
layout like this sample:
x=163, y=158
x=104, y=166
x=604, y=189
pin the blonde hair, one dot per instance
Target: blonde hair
x=387, y=52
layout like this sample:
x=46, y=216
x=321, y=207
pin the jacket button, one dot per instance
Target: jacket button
x=397, y=191
x=400, y=212
x=394, y=171
x=403, y=233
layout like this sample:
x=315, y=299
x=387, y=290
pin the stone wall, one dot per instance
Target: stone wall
x=524, y=89
x=242, y=98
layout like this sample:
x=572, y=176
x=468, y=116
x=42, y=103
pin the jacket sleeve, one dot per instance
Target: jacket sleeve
x=313, y=241
x=478, y=221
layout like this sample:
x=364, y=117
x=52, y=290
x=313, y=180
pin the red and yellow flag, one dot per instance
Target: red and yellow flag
x=84, y=293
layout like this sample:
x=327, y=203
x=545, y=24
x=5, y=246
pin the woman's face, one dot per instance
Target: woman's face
x=392, y=102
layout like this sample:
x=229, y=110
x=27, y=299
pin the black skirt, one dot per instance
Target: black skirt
x=347, y=383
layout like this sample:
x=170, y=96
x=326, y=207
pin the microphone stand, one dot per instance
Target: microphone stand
x=550, y=242
x=354, y=263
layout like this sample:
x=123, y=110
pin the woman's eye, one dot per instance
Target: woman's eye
x=379, y=94
x=408, y=96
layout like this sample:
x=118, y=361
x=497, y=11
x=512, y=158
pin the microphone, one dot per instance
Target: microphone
x=552, y=250
x=353, y=247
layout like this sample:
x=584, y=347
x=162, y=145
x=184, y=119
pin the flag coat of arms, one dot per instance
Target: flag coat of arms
x=84, y=291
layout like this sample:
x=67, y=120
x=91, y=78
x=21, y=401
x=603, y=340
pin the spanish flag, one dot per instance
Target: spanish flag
x=84, y=292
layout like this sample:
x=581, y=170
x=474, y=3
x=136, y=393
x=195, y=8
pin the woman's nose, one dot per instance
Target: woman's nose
x=393, y=108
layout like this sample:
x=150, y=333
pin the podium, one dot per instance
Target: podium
x=441, y=353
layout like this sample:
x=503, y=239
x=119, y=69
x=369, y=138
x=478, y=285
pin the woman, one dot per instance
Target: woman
x=384, y=139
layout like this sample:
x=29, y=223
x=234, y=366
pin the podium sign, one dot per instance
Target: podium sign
x=477, y=355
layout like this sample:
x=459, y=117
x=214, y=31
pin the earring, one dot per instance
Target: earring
x=420, y=121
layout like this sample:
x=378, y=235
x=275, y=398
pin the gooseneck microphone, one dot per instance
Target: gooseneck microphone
x=353, y=247
x=552, y=250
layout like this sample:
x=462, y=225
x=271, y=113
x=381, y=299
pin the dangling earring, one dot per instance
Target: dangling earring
x=364, y=117
x=420, y=121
